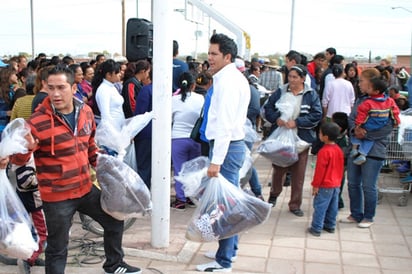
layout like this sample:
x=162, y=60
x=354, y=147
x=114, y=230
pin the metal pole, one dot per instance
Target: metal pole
x=292, y=21
x=162, y=121
x=32, y=28
x=123, y=29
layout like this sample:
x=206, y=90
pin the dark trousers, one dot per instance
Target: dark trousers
x=59, y=217
x=144, y=160
x=297, y=171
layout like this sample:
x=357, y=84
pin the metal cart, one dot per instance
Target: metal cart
x=394, y=181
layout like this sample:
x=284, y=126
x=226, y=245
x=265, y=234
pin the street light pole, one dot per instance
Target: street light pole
x=32, y=28
x=292, y=21
x=410, y=57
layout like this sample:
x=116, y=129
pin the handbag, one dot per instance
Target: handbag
x=195, y=134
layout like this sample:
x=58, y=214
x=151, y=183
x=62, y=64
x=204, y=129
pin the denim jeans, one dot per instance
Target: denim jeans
x=364, y=145
x=230, y=170
x=325, y=205
x=254, y=179
x=362, y=187
x=59, y=217
x=183, y=149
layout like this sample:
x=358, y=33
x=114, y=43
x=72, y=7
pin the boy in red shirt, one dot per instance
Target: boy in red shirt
x=326, y=181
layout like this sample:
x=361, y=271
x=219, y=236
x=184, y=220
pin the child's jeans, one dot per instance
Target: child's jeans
x=325, y=205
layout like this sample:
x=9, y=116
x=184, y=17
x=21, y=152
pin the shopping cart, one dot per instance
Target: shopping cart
x=398, y=157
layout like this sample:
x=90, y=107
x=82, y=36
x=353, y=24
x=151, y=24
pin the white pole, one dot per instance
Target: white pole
x=32, y=28
x=162, y=109
x=292, y=22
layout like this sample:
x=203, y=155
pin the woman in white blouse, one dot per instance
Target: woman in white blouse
x=108, y=101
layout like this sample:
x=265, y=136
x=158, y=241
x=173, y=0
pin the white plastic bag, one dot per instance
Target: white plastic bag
x=13, y=138
x=124, y=194
x=16, y=239
x=108, y=136
x=251, y=136
x=130, y=157
x=191, y=175
x=225, y=210
x=247, y=164
x=280, y=147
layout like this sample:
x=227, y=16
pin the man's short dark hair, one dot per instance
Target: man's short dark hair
x=341, y=119
x=56, y=70
x=331, y=130
x=98, y=56
x=319, y=55
x=226, y=45
x=294, y=55
x=331, y=51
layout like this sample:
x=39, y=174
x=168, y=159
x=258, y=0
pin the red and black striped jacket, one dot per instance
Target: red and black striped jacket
x=63, y=156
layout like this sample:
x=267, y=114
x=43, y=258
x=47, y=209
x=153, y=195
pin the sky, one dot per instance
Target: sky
x=76, y=27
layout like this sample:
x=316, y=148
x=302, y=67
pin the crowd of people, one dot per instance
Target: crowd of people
x=344, y=112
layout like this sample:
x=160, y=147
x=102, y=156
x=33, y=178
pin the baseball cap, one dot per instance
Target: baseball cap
x=240, y=64
x=3, y=65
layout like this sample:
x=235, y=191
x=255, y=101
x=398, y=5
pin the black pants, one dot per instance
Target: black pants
x=59, y=217
x=144, y=160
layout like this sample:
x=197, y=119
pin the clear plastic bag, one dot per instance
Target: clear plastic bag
x=13, y=138
x=280, y=147
x=251, y=136
x=107, y=135
x=16, y=239
x=283, y=146
x=247, y=164
x=225, y=210
x=191, y=175
x=130, y=157
x=124, y=194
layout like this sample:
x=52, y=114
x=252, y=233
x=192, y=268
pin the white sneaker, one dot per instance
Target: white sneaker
x=212, y=267
x=365, y=224
x=212, y=255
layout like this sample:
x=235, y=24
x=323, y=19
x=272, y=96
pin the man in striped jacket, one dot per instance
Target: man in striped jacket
x=62, y=140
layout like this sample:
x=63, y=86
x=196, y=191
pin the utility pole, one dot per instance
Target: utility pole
x=124, y=29
x=292, y=22
x=32, y=28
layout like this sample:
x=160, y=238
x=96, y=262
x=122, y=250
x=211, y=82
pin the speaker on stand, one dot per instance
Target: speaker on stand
x=139, y=39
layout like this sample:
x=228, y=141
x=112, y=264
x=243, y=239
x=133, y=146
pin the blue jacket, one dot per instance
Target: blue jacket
x=309, y=116
x=379, y=137
x=144, y=104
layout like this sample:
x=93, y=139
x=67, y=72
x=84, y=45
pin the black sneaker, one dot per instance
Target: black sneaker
x=190, y=203
x=178, y=205
x=329, y=230
x=298, y=212
x=39, y=262
x=313, y=232
x=272, y=200
x=123, y=268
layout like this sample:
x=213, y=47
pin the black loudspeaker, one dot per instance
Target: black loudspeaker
x=139, y=39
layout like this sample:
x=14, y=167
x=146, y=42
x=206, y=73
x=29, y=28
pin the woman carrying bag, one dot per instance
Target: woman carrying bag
x=306, y=116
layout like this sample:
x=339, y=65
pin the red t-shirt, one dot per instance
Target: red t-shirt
x=329, y=167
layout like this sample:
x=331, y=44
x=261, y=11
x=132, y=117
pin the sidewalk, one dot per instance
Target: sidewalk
x=281, y=245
